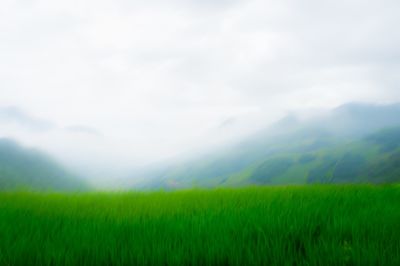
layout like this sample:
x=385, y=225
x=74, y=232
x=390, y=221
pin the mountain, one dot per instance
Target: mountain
x=352, y=143
x=374, y=159
x=22, y=168
x=14, y=115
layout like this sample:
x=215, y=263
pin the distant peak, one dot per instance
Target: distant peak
x=354, y=106
x=13, y=114
x=289, y=119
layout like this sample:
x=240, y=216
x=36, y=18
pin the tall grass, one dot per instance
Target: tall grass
x=315, y=225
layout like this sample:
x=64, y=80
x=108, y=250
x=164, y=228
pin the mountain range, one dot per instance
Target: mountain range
x=352, y=143
x=349, y=144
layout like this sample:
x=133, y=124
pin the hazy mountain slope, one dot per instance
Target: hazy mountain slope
x=22, y=168
x=375, y=159
x=287, y=151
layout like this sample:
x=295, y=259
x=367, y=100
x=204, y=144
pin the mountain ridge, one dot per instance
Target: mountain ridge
x=31, y=169
x=347, y=124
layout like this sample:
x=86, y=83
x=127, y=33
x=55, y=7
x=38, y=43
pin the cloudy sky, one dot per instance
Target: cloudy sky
x=134, y=81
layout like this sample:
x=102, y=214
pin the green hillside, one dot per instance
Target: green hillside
x=22, y=168
x=213, y=170
x=374, y=159
x=352, y=143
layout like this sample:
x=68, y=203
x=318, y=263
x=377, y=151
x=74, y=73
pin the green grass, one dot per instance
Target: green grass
x=298, y=225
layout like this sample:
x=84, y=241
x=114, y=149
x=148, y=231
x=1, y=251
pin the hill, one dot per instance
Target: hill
x=22, y=168
x=346, y=141
x=374, y=159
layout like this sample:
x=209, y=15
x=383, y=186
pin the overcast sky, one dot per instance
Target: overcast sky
x=136, y=81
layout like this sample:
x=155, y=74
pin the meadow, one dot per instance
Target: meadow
x=293, y=225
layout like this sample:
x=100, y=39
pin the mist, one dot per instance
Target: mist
x=110, y=88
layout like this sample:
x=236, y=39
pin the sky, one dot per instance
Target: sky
x=128, y=83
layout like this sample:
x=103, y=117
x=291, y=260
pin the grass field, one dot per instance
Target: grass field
x=304, y=225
